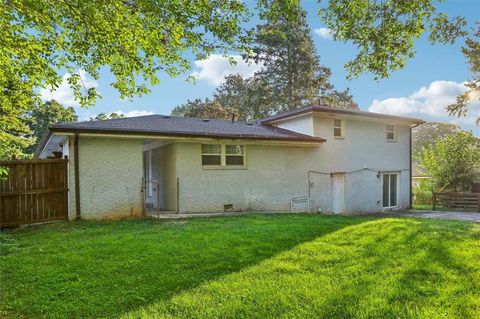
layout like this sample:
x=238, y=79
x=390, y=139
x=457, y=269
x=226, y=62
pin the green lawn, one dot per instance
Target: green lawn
x=264, y=266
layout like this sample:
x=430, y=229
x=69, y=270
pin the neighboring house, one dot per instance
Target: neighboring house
x=345, y=161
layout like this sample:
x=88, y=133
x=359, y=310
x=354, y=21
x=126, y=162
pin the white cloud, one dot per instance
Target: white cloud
x=429, y=103
x=64, y=94
x=133, y=113
x=324, y=33
x=216, y=67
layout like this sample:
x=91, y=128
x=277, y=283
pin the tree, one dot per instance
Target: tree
x=45, y=115
x=472, y=54
x=385, y=32
x=251, y=97
x=105, y=116
x=136, y=40
x=453, y=163
x=205, y=109
x=284, y=47
x=290, y=75
x=429, y=133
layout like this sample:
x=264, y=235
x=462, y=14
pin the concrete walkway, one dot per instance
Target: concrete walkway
x=461, y=216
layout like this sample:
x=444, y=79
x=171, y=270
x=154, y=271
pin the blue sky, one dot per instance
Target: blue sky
x=429, y=81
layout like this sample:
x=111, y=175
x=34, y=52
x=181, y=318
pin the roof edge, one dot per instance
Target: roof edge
x=326, y=109
x=297, y=137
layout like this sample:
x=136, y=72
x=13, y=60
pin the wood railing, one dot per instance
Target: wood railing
x=464, y=201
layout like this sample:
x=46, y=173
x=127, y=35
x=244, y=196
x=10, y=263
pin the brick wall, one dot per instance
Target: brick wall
x=110, y=177
x=276, y=174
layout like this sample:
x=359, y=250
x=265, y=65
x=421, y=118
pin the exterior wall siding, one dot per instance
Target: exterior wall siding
x=276, y=174
x=111, y=173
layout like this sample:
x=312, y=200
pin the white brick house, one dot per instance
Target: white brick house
x=342, y=161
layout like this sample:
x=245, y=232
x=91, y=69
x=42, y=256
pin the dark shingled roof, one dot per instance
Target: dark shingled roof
x=182, y=126
x=328, y=109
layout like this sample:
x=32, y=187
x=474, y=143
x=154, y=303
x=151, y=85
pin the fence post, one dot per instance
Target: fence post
x=434, y=198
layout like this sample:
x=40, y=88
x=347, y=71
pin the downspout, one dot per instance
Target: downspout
x=411, y=163
x=77, y=177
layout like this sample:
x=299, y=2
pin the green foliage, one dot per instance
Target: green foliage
x=453, y=163
x=205, y=109
x=471, y=51
x=136, y=41
x=105, y=116
x=384, y=31
x=284, y=47
x=3, y=172
x=45, y=115
x=427, y=134
x=284, y=266
x=422, y=192
x=290, y=76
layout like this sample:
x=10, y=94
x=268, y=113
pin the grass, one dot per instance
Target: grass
x=290, y=266
x=422, y=206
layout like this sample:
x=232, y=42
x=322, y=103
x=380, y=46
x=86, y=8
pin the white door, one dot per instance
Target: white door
x=338, y=189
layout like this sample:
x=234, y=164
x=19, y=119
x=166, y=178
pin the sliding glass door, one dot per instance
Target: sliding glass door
x=390, y=190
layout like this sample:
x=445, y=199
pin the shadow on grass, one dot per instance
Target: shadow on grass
x=385, y=268
x=105, y=269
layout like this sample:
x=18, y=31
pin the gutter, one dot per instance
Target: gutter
x=77, y=177
x=411, y=162
x=299, y=138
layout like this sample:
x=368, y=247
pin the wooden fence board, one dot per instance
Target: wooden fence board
x=467, y=201
x=34, y=191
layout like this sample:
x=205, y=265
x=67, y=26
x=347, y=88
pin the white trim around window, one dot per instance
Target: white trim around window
x=390, y=133
x=224, y=156
x=338, y=128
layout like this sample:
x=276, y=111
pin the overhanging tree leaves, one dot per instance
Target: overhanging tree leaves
x=135, y=40
x=384, y=31
x=472, y=53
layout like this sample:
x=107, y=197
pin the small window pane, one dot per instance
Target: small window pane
x=234, y=160
x=390, y=136
x=235, y=149
x=337, y=132
x=211, y=149
x=337, y=123
x=390, y=127
x=211, y=160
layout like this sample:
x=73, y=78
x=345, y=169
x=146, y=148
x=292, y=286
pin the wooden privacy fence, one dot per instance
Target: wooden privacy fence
x=466, y=201
x=34, y=191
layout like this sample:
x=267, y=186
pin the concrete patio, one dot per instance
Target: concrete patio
x=452, y=215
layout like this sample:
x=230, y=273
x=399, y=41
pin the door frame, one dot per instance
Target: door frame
x=398, y=189
x=336, y=176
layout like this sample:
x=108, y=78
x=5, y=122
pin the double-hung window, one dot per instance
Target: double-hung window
x=234, y=155
x=391, y=135
x=338, y=128
x=390, y=190
x=211, y=154
x=221, y=155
